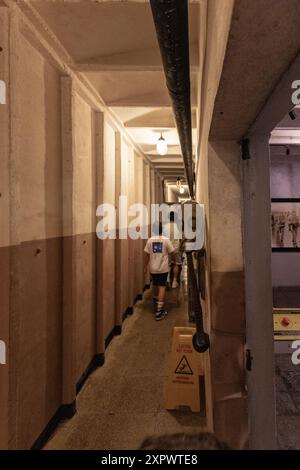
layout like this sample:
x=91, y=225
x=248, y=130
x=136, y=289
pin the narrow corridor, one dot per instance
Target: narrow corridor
x=115, y=115
x=122, y=403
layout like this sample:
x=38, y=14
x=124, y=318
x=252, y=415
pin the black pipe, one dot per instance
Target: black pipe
x=172, y=28
x=200, y=339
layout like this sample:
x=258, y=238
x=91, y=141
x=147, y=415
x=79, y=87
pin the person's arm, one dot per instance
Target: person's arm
x=147, y=256
x=171, y=251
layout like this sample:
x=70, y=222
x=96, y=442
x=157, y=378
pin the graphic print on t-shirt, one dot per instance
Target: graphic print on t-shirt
x=157, y=247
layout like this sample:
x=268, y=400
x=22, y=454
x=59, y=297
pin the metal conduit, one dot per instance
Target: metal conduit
x=172, y=29
x=200, y=339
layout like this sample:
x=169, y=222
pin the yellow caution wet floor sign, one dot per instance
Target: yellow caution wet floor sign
x=184, y=369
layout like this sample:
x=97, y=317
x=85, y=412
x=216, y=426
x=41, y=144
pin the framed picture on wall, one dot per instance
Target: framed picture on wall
x=285, y=223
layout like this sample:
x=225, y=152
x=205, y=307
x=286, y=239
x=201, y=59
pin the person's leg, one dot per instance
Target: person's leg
x=175, y=276
x=155, y=292
x=161, y=294
x=177, y=264
x=160, y=312
x=162, y=280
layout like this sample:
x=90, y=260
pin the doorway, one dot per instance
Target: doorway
x=285, y=222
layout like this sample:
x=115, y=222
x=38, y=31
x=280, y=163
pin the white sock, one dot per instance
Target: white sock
x=160, y=306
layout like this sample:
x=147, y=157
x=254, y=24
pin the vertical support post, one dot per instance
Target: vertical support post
x=69, y=249
x=14, y=230
x=153, y=196
x=118, y=303
x=131, y=243
x=5, y=228
x=259, y=303
x=100, y=339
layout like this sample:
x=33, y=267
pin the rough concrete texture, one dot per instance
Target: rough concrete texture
x=215, y=19
x=39, y=287
x=264, y=39
x=84, y=225
x=227, y=292
x=40, y=145
x=285, y=173
x=109, y=246
x=123, y=402
x=287, y=403
x=37, y=327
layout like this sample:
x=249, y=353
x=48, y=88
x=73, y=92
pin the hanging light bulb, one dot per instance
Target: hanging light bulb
x=161, y=146
x=181, y=189
x=178, y=182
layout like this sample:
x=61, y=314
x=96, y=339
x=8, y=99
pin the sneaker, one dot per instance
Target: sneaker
x=160, y=315
x=175, y=284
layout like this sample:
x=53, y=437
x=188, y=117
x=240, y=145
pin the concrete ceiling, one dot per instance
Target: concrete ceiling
x=113, y=42
x=264, y=39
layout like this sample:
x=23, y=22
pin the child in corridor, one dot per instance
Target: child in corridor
x=157, y=249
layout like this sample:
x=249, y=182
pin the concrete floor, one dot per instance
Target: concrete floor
x=122, y=403
x=287, y=381
x=287, y=402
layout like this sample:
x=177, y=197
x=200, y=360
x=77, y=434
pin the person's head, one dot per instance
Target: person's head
x=183, y=441
x=157, y=229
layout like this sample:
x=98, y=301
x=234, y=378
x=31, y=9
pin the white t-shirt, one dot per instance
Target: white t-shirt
x=159, y=248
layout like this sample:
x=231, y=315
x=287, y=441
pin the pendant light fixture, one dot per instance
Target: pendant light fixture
x=161, y=146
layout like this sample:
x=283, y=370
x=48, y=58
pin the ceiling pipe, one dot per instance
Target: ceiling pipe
x=172, y=29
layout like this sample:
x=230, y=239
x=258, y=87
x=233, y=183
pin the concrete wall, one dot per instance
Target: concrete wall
x=124, y=244
x=40, y=177
x=109, y=246
x=285, y=173
x=286, y=269
x=218, y=179
x=58, y=282
x=227, y=294
x=5, y=228
x=139, y=244
x=85, y=215
x=131, y=243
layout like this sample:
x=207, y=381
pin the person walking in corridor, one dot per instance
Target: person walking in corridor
x=173, y=232
x=157, y=249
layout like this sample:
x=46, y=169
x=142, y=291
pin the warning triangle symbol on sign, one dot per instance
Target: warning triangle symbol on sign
x=183, y=367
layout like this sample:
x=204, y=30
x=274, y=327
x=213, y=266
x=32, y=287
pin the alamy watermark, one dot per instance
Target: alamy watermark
x=2, y=353
x=2, y=92
x=296, y=354
x=136, y=221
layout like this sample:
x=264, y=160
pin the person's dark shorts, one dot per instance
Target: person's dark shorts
x=159, y=279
